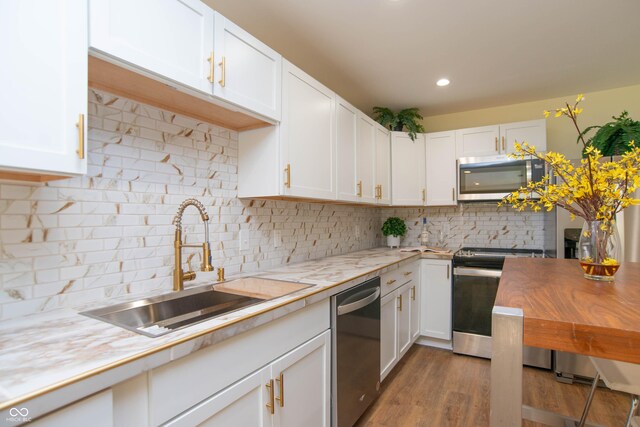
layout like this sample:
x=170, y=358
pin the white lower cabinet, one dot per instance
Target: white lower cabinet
x=435, y=301
x=399, y=316
x=291, y=391
x=96, y=410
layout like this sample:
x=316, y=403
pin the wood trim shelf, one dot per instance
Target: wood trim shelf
x=111, y=78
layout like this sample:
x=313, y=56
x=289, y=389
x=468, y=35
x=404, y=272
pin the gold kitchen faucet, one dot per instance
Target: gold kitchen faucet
x=179, y=275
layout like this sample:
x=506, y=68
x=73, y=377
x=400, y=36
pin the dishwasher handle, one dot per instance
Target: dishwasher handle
x=348, y=308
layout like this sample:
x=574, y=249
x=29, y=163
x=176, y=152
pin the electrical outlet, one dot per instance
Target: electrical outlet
x=244, y=240
x=277, y=239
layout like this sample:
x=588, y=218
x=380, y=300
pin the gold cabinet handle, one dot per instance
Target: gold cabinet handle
x=280, y=381
x=400, y=300
x=496, y=143
x=424, y=194
x=212, y=66
x=503, y=143
x=413, y=293
x=270, y=404
x=222, y=71
x=453, y=194
x=406, y=273
x=359, y=189
x=391, y=282
x=447, y=271
x=287, y=171
x=80, y=126
x=380, y=196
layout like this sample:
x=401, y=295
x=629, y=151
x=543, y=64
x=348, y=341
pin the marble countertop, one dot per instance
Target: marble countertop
x=56, y=350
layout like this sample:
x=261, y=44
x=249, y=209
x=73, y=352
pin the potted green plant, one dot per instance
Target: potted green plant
x=612, y=139
x=407, y=118
x=394, y=228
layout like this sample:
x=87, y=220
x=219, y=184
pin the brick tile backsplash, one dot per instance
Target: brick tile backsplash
x=108, y=233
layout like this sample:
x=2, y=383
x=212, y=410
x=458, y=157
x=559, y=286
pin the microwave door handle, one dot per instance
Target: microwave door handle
x=476, y=272
x=529, y=171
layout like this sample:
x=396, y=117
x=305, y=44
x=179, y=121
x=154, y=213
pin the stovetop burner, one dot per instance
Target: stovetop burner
x=491, y=257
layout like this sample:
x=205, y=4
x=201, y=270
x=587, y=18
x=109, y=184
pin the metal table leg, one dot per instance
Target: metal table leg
x=507, y=331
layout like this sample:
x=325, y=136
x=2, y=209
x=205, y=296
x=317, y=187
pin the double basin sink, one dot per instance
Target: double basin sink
x=160, y=315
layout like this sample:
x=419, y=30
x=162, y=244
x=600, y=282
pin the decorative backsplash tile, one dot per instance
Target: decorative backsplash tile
x=473, y=225
x=108, y=233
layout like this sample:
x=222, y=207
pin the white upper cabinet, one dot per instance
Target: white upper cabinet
x=533, y=132
x=441, y=168
x=170, y=38
x=481, y=141
x=308, y=136
x=407, y=170
x=365, y=159
x=499, y=139
x=346, y=130
x=383, y=165
x=44, y=71
x=246, y=71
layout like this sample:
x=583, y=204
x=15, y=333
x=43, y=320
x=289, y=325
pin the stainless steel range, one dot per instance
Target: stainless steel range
x=476, y=274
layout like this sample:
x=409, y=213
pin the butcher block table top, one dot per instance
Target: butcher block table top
x=564, y=311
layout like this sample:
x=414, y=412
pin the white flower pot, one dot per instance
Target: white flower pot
x=393, y=241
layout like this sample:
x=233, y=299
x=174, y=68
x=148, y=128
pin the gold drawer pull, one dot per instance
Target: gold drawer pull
x=280, y=382
x=406, y=273
x=271, y=404
x=80, y=126
x=391, y=282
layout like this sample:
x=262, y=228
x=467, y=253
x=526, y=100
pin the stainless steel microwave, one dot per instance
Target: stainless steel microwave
x=492, y=178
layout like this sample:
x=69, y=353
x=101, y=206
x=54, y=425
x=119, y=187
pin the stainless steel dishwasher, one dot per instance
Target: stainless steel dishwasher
x=355, y=327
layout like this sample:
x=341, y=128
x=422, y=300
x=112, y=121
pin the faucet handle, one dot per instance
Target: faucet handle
x=220, y=274
x=188, y=275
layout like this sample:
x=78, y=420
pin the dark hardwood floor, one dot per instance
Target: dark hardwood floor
x=432, y=387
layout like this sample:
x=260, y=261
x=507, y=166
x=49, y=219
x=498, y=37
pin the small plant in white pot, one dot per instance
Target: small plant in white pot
x=394, y=228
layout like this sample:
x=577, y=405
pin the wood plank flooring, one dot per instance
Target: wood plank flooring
x=432, y=387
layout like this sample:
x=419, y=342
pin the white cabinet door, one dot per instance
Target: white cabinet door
x=96, y=411
x=415, y=309
x=533, y=131
x=248, y=72
x=404, y=318
x=441, y=168
x=308, y=137
x=383, y=165
x=365, y=159
x=388, y=334
x=346, y=129
x=171, y=38
x=242, y=404
x=435, y=301
x=407, y=170
x=44, y=75
x=302, y=385
x=481, y=141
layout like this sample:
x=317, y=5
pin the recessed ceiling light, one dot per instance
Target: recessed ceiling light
x=443, y=82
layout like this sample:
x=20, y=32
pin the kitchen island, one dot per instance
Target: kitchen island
x=548, y=303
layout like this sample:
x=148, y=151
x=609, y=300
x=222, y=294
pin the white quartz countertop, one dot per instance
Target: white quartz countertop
x=50, y=351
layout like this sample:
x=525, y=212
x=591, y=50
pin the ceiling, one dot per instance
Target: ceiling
x=495, y=52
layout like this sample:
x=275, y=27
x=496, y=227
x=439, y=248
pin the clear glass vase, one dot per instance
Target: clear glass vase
x=599, y=251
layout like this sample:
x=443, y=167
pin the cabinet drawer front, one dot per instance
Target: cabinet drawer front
x=179, y=385
x=396, y=278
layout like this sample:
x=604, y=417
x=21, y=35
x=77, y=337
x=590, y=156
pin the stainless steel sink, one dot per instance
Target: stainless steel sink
x=160, y=315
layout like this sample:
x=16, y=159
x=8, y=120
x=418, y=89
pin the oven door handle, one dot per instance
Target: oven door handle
x=348, y=308
x=476, y=272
